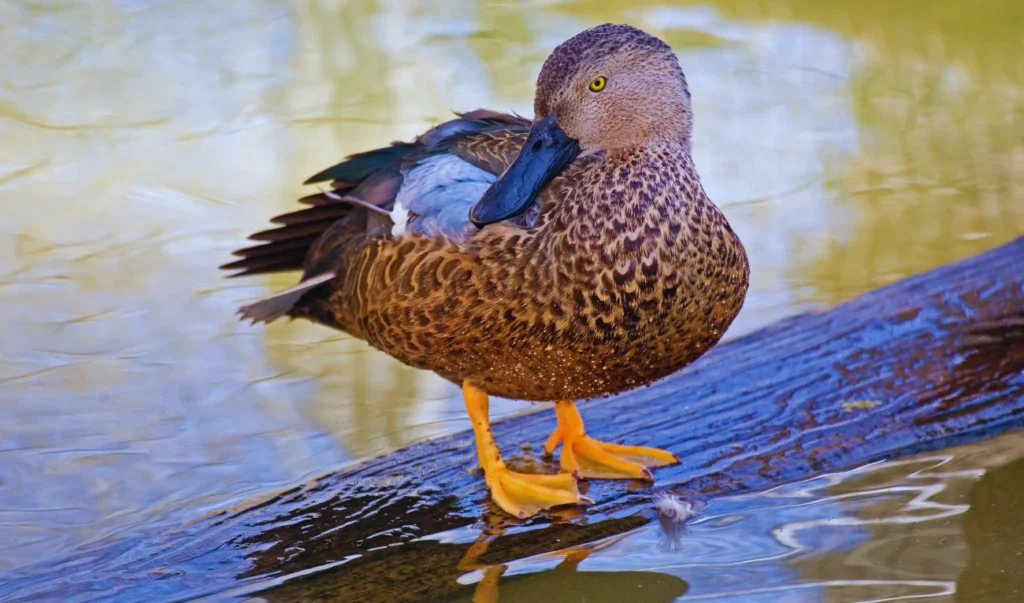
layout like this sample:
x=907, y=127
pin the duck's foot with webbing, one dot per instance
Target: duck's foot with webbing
x=524, y=494
x=586, y=457
x=520, y=494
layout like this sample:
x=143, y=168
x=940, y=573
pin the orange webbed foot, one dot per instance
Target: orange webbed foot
x=586, y=457
x=524, y=494
x=519, y=494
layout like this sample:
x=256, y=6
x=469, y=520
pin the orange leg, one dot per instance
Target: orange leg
x=586, y=457
x=520, y=494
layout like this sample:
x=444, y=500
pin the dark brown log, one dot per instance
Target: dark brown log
x=935, y=360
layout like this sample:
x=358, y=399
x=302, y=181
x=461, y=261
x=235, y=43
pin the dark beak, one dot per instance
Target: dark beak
x=546, y=153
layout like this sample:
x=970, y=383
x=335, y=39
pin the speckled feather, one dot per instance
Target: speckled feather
x=626, y=273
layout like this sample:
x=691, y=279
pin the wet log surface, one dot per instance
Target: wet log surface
x=935, y=360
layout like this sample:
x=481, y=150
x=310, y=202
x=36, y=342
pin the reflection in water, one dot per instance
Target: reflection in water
x=139, y=141
x=563, y=582
x=892, y=531
x=565, y=585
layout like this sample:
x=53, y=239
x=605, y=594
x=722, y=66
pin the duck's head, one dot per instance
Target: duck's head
x=609, y=87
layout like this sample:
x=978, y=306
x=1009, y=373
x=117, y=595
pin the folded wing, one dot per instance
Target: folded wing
x=426, y=187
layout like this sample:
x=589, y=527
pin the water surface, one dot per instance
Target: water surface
x=940, y=527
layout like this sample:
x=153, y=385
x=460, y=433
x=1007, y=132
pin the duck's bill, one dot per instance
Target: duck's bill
x=548, y=151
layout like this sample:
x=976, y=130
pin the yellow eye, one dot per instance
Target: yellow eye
x=598, y=84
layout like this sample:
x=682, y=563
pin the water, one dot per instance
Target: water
x=850, y=146
x=921, y=527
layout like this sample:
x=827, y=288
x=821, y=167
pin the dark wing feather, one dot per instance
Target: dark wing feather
x=279, y=304
x=291, y=242
x=487, y=139
x=360, y=166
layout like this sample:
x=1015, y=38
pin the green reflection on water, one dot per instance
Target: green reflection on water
x=851, y=145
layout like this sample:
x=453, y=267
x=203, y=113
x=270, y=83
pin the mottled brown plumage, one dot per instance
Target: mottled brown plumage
x=622, y=272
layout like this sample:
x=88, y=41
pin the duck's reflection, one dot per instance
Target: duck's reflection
x=564, y=582
x=502, y=557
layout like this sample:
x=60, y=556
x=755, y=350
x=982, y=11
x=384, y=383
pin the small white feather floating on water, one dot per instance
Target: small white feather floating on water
x=673, y=513
x=674, y=508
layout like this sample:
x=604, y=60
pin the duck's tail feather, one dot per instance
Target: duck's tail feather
x=276, y=305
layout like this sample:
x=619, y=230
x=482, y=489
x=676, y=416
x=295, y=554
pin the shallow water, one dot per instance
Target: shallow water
x=141, y=141
x=940, y=526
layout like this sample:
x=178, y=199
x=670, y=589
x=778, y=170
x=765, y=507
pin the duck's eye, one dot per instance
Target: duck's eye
x=598, y=84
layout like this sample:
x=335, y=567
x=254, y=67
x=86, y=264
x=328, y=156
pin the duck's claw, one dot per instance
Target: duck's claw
x=524, y=494
x=586, y=457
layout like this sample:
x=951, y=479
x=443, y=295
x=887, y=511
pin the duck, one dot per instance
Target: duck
x=561, y=258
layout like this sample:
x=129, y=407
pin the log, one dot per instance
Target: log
x=932, y=361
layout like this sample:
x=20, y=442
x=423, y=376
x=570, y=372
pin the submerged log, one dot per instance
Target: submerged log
x=935, y=360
